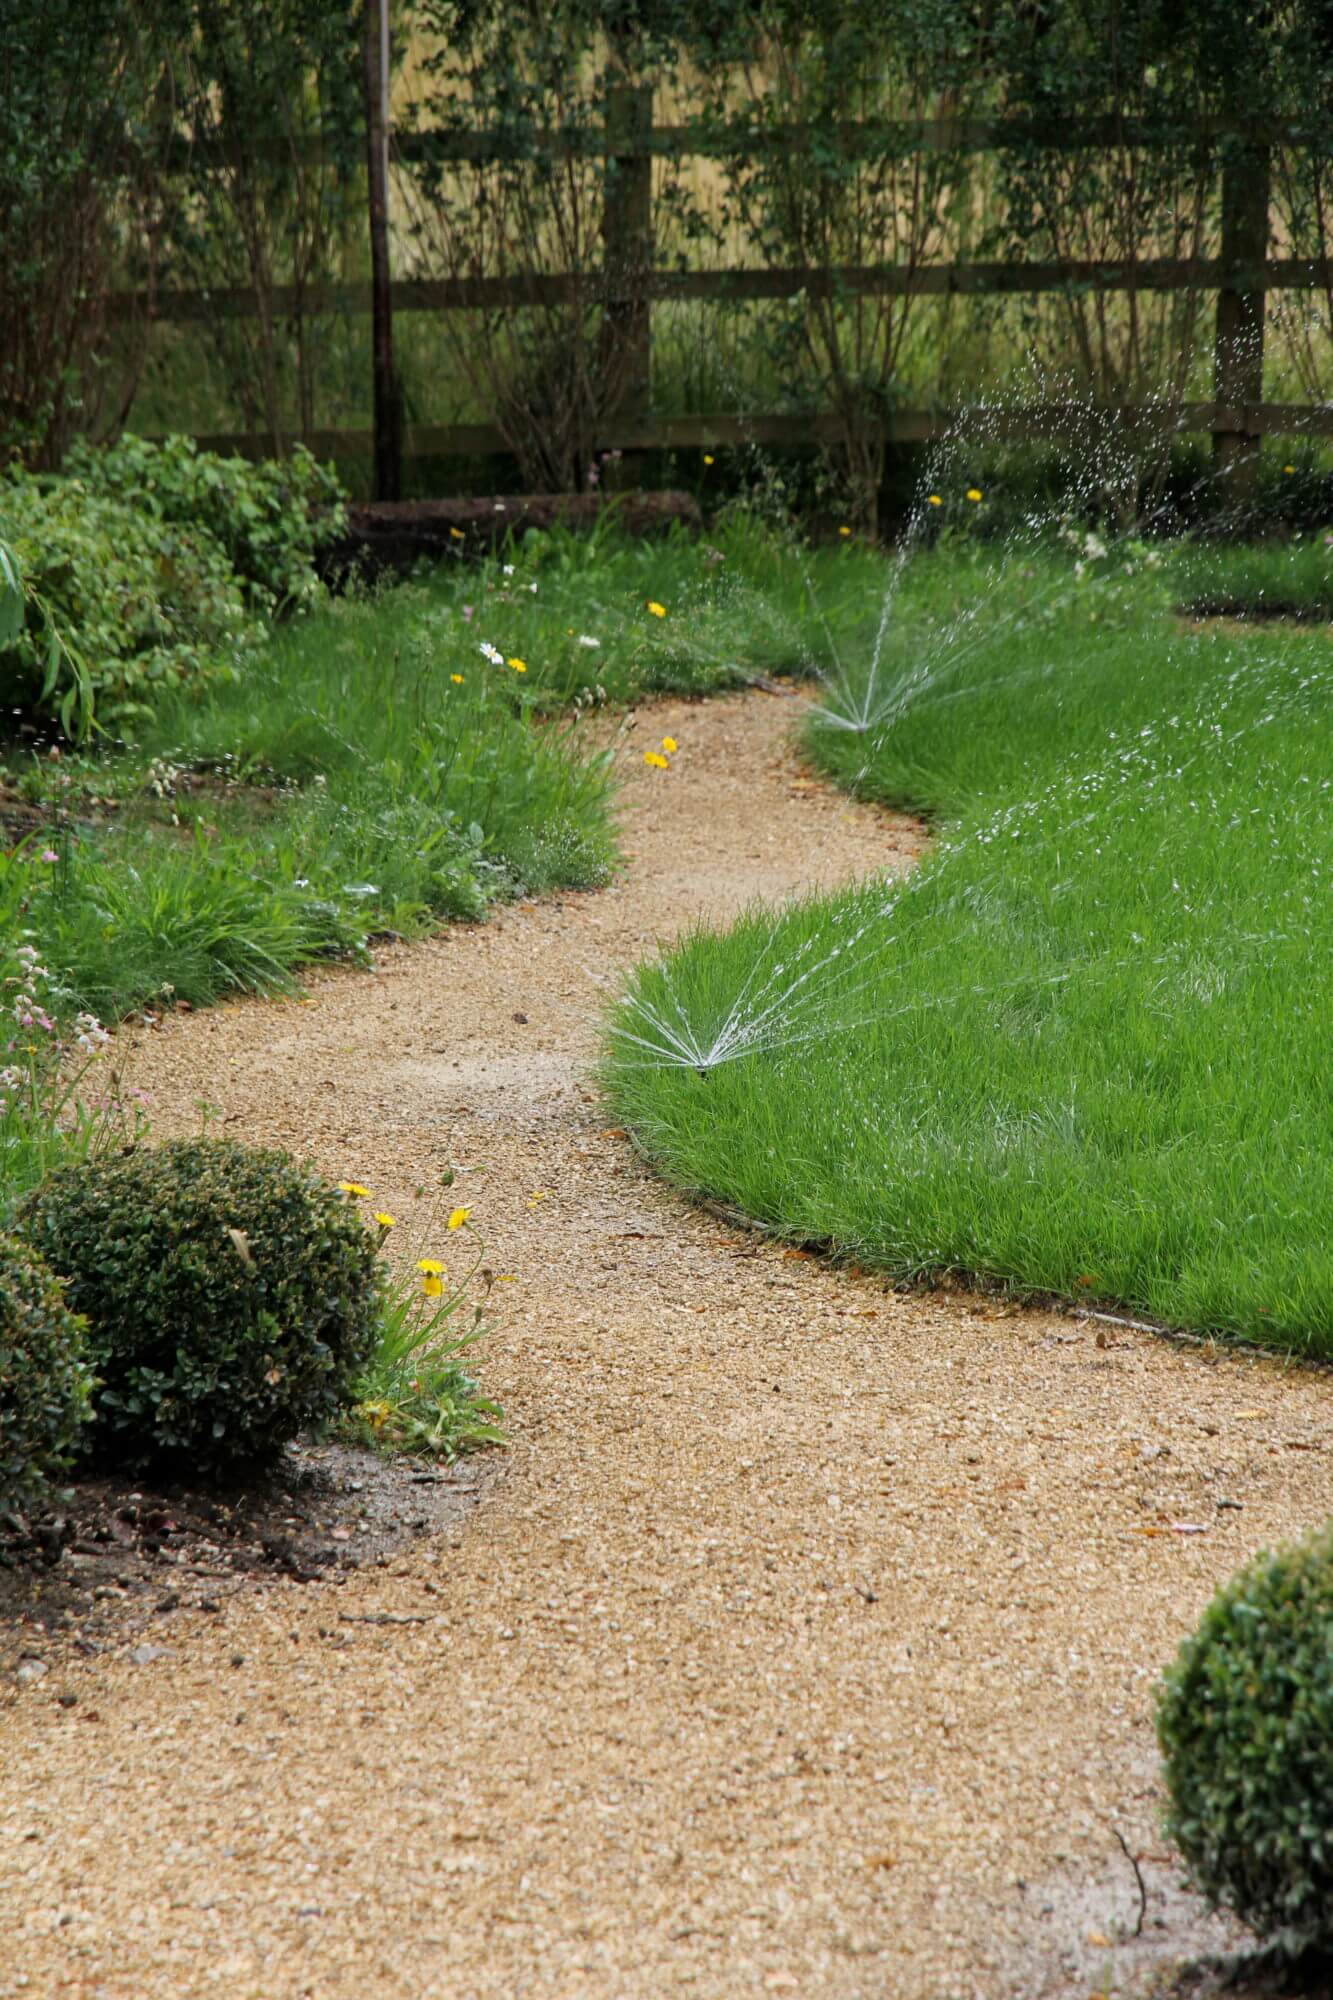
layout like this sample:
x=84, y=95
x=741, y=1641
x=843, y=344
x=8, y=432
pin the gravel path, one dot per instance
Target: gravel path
x=807, y=1641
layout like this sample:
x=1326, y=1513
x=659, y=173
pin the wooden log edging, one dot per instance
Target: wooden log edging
x=384, y=535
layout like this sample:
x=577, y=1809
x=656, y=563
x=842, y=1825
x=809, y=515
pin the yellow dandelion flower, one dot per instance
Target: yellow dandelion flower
x=973, y=493
x=375, y=1414
x=670, y=745
x=708, y=458
x=1288, y=468
x=933, y=500
x=657, y=610
x=385, y=1221
x=431, y=1266
x=457, y=679
x=656, y=759
x=431, y=1287
x=844, y=531
x=457, y=535
x=458, y=1217
x=354, y=1187
x=519, y=666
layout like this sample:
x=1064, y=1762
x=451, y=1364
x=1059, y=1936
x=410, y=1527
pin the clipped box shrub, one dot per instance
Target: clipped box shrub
x=45, y=1381
x=1245, y=1724
x=231, y=1297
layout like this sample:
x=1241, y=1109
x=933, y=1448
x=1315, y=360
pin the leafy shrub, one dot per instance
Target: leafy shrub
x=231, y=1295
x=45, y=1385
x=13, y=605
x=119, y=604
x=145, y=570
x=268, y=518
x=1245, y=1723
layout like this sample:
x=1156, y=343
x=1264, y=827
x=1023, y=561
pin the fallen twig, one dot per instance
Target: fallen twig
x=1132, y=1859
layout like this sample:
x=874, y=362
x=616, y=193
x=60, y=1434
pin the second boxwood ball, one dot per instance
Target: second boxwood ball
x=230, y=1293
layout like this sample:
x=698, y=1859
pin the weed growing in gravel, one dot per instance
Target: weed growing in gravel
x=416, y=1393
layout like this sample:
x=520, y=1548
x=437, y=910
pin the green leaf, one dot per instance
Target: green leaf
x=13, y=606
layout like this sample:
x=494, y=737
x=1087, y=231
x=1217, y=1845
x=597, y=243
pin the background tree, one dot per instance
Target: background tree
x=82, y=91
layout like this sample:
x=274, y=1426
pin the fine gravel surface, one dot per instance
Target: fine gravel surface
x=806, y=1642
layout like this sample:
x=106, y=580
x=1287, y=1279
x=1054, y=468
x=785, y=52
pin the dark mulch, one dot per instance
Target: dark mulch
x=118, y=1558
x=1260, y=1975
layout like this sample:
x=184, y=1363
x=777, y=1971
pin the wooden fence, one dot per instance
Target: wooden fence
x=1241, y=276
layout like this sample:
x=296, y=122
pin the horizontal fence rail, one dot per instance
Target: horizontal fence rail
x=630, y=283
x=1025, y=423
x=735, y=286
x=858, y=138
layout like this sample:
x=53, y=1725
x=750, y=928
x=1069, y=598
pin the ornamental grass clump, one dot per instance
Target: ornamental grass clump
x=45, y=1381
x=1245, y=1724
x=232, y=1297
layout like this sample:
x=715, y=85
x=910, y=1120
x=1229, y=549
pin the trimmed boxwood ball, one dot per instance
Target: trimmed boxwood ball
x=45, y=1381
x=1245, y=1724
x=231, y=1296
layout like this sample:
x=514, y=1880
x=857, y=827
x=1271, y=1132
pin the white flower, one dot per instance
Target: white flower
x=508, y=568
x=92, y=1036
x=586, y=639
x=491, y=653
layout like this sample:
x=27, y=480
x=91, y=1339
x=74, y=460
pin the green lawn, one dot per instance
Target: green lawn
x=1084, y=1050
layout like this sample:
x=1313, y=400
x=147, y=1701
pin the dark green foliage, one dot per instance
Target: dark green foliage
x=1245, y=1723
x=267, y=518
x=45, y=1384
x=79, y=209
x=120, y=605
x=231, y=1297
x=142, y=571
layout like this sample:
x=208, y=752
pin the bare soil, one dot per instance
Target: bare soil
x=806, y=1641
x=116, y=1559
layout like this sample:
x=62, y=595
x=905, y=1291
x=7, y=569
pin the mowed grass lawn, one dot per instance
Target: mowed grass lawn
x=1085, y=1048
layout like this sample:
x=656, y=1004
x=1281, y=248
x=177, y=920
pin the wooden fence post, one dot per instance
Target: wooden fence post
x=627, y=248
x=387, y=406
x=1238, y=354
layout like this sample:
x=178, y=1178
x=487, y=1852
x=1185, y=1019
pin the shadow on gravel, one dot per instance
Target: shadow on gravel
x=1253, y=1976
x=119, y=1558
x=1139, y=1932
